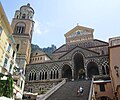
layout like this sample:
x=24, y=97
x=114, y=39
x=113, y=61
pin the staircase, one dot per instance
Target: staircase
x=69, y=91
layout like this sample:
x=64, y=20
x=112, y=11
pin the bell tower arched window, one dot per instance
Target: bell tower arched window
x=19, y=28
x=23, y=16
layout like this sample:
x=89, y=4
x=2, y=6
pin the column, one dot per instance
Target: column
x=72, y=75
x=60, y=73
x=86, y=76
x=48, y=74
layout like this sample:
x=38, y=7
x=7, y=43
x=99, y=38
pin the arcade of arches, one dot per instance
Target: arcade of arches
x=79, y=69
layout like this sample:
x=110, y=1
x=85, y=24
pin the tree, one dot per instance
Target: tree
x=6, y=86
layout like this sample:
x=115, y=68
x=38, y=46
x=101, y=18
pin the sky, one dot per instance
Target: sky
x=54, y=18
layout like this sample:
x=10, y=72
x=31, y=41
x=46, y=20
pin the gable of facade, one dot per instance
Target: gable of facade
x=79, y=33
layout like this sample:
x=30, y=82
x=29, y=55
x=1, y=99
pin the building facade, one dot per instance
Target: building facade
x=8, y=64
x=7, y=46
x=38, y=56
x=80, y=57
x=114, y=60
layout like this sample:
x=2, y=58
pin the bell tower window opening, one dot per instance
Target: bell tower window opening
x=19, y=28
x=17, y=16
x=23, y=16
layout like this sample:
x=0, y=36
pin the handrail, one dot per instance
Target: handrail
x=51, y=91
x=91, y=90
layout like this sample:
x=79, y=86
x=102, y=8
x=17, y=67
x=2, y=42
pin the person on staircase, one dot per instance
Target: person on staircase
x=80, y=91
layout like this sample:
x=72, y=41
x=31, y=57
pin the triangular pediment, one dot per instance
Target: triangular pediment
x=79, y=33
x=84, y=51
x=83, y=30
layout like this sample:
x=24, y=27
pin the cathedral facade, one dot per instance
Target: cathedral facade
x=80, y=57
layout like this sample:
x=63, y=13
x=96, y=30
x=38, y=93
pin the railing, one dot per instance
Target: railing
x=51, y=91
x=91, y=90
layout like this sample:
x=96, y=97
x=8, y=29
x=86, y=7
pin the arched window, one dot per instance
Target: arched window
x=57, y=74
x=54, y=75
x=29, y=76
x=19, y=28
x=40, y=76
x=34, y=76
x=23, y=16
x=17, y=17
x=45, y=75
x=51, y=75
x=105, y=68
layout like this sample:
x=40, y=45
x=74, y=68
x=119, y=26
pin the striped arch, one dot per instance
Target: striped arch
x=92, y=60
x=92, y=68
x=66, y=70
x=76, y=52
x=78, y=59
x=67, y=63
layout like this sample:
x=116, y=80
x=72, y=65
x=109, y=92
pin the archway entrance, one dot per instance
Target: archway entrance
x=79, y=72
x=92, y=69
x=66, y=72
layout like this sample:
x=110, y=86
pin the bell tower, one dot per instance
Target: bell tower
x=22, y=25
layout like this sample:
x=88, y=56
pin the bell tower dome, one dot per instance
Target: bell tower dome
x=23, y=25
x=25, y=12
